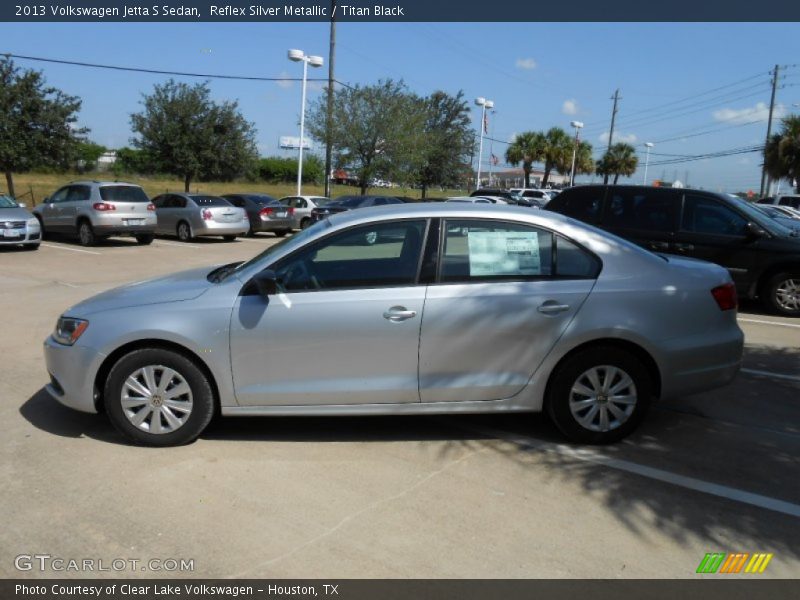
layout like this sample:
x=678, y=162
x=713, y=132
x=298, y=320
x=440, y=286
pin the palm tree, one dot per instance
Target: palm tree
x=583, y=161
x=782, y=152
x=620, y=159
x=557, y=149
x=526, y=148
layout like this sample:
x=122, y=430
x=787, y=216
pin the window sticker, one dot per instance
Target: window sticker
x=503, y=253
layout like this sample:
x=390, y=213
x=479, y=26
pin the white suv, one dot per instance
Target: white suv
x=94, y=210
x=791, y=200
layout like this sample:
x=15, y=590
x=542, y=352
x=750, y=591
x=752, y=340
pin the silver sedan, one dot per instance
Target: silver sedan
x=193, y=215
x=455, y=308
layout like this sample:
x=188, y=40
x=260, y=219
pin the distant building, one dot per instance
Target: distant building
x=106, y=160
x=510, y=178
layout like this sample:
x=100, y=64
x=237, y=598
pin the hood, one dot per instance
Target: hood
x=13, y=214
x=178, y=287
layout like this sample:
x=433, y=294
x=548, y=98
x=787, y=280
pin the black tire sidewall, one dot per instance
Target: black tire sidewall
x=202, y=396
x=771, y=288
x=144, y=240
x=557, y=401
x=90, y=238
x=188, y=232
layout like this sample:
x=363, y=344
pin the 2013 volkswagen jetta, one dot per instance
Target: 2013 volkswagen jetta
x=449, y=308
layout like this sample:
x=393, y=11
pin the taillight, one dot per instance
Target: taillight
x=290, y=212
x=151, y=206
x=266, y=211
x=207, y=216
x=103, y=206
x=725, y=295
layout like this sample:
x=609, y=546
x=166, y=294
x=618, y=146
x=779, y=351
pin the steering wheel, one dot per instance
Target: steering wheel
x=298, y=275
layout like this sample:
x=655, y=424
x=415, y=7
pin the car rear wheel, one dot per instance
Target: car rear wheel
x=158, y=397
x=144, y=240
x=782, y=294
x=184, y=232
x=86, y=234
x=229, y=238
x=305, y=222
x=599, y=395
x=281, y=232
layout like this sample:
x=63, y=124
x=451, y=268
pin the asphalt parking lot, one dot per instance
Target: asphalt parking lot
x=467, y=496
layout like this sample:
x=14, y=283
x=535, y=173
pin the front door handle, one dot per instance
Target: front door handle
x=399, y=313
x=684, y=247
x=551, y=307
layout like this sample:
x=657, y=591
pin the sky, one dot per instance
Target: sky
x=691, y=89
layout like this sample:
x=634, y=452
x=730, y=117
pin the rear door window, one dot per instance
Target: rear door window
x=793, y=201
x=79, y=193
x=584, y=204
x=643, y=210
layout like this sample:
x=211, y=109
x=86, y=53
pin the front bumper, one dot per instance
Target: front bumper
x=72, y=370
x=26, y=235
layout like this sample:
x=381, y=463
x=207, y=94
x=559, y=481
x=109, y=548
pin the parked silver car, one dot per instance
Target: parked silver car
x=303, y=205
x=17, y=225
x=94, y=210
x=528, y=311
x=193, y=215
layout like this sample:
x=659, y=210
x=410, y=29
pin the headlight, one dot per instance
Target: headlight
x=33, y=222
x=68, y=330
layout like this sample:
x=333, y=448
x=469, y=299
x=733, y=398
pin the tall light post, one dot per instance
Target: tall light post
x=484, y=104
x=491, y=150
x=577, y=125
x=314, y=61
x=648, y=145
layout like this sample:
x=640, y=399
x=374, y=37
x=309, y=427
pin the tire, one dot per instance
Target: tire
x=305, y=222
x=41, y=227
x=144, y=240
x=86, y=235
x=575, y=372
x=229, y=238
x=184, y=232
x=281, y=232
x=781, y=294
x=179, y=422
x=250, y=233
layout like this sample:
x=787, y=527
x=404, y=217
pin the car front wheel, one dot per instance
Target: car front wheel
x=599, y=395
x=158, y=397
x=782, y=294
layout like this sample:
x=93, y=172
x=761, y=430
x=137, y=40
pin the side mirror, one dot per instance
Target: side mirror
x=266, y=282
x=755, y=231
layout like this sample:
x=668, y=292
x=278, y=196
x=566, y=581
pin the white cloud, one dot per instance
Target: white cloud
x=526, y=63
x=628, y=138
x=759, y=112
x=570, y=107
x=285, y=83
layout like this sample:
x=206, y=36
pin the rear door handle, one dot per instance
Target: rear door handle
x=551, y=307
x=684, y=247
x=399, y=313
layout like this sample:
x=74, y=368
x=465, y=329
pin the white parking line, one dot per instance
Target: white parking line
x=256, y=240
x=779, y=324
x=691, y=483
x=70, y=249
x=178, y=244
x=770, y=374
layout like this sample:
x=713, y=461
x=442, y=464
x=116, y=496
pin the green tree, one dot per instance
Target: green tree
x=375, y=130
x=87, y=153
x=281, y=169
x=782, y=152
x=36, y=123
x=621, y=159
x=527, y=148
x=185, y=133
x=584, y=164
x=447, y=140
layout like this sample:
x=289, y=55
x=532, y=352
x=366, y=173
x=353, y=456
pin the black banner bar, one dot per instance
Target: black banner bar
x=363, y=11
x=709, y=588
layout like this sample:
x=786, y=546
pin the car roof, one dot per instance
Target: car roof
x=102, y=183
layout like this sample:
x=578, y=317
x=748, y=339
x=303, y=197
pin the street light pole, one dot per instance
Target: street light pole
x=646, y=161
x=314, y=61
x=577, y=125
x=484, y=104
x=491, y=151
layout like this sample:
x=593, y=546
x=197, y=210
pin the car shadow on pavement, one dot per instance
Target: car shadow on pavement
x=44, y=413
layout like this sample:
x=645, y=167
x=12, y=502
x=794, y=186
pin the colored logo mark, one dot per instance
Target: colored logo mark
x=734, y=562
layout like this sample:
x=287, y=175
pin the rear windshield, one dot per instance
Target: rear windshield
x=123, y=193
x=352, y=201
x=261, y=199
x=210, y=201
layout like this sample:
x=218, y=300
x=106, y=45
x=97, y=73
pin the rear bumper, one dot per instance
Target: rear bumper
x=701, y=363
x=214, y=228
x=273, y=224
x=125, y=230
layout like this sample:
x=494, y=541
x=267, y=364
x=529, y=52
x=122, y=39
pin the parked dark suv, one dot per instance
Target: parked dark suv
x=762, y=256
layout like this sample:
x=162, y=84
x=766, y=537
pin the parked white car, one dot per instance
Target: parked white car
x=303, y=205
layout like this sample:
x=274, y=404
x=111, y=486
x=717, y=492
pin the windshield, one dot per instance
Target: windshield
x=6, y=202
x=123, y=193
x=298, y=239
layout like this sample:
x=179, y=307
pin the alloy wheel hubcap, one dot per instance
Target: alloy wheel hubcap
x=156, y=399
x=787, y=294
x=602, y=398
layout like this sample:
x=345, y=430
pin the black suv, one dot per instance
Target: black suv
x=762, y=256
